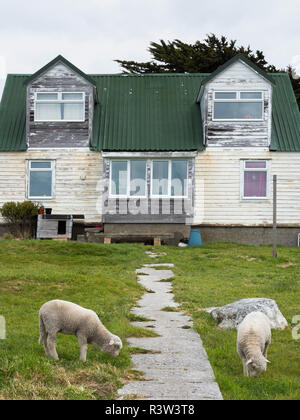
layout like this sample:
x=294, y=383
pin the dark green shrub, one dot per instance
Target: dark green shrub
x=21, y=217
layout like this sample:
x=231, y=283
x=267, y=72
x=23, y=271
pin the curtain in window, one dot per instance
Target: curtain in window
x=255, y=184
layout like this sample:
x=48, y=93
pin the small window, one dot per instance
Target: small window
x=225, y=95
x=128, y=178
x=251, y=95
x=255, y=179
x=59, y=106
x=238, y=106
x=40, y=179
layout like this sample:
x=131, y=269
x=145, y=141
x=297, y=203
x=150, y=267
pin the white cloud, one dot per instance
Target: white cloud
x=92, y=33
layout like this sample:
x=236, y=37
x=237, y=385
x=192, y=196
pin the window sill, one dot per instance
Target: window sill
x=41, y=198
x=61, y=121
x=245, y=199
x=236, y=120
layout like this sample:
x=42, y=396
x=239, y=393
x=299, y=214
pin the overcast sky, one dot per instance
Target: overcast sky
x=92, y=33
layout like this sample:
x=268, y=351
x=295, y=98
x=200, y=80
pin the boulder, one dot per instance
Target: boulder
x=230, y=316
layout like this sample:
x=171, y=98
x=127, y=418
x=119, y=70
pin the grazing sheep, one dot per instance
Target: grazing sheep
x=68, y=318
x=253, y=339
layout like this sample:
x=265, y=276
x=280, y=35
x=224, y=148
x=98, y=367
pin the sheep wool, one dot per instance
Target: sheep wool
x=253, y=340
x=59, y=316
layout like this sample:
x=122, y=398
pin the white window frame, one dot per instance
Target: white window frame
x=242, y=177
x=127, y=195
x=238, y=99
x=169, y=179
x=59, y=100
x=29, y=170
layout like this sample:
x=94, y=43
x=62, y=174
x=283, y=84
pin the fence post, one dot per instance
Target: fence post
x=275, y=216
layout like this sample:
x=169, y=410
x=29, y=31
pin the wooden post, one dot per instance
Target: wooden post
x=275, y=216
x=157, y=241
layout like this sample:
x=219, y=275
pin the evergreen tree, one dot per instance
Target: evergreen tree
x=201, y=57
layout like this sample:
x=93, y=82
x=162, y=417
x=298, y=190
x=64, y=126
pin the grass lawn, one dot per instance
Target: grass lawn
x=98, y=277
x=218, y=274
x=102, y=277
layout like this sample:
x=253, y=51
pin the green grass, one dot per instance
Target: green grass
x=218, y=274
x=102, y=277
x=98, y=277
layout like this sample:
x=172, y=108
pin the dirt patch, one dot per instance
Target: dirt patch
x=285, y=265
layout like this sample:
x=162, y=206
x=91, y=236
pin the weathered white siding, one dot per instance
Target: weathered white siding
x=218, y=188
x=237, y=77
x=217, y=194
x=47, y=134
x=78, y=175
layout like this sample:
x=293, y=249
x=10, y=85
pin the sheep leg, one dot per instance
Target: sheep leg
x=266, y=349
x=245, y=367
x=43, y=335
x=51, y=339
x=44, y=341
x=83, y=347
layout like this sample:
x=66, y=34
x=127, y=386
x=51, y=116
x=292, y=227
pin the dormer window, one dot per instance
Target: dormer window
x=59, y=106
x=238, y=106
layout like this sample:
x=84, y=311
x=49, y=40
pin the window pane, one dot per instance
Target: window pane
x=179, y=178
x=71, y=112
x=160, y=177
x=225, y=95
x=40, y=165
x=256, y=164
x=251, y=95
x=238, y=110
x=138, y=177
x=119, y=177
x=72, y=96
x=40, y=184
x=255, y=184
x=48, y=112
x=47, y=96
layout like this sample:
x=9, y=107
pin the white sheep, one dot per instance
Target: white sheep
x=68, y=318
x=253, y=340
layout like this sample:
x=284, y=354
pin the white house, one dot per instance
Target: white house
x=156, y=153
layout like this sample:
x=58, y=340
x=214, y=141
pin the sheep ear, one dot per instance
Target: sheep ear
x=249, y=361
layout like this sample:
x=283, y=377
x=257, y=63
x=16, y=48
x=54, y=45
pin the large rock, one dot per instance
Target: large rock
x=230, y=316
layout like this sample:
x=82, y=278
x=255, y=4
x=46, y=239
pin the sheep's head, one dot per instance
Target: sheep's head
x=114, y=346
x=255, y=367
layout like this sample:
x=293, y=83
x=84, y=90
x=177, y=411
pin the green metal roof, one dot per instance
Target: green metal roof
x=149, y=113
x=285, y=116
x=13, y=114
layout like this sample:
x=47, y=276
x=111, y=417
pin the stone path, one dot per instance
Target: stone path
x=177, y=367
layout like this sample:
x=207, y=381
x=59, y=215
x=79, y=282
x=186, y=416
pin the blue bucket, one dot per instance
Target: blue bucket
x=195, y=238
